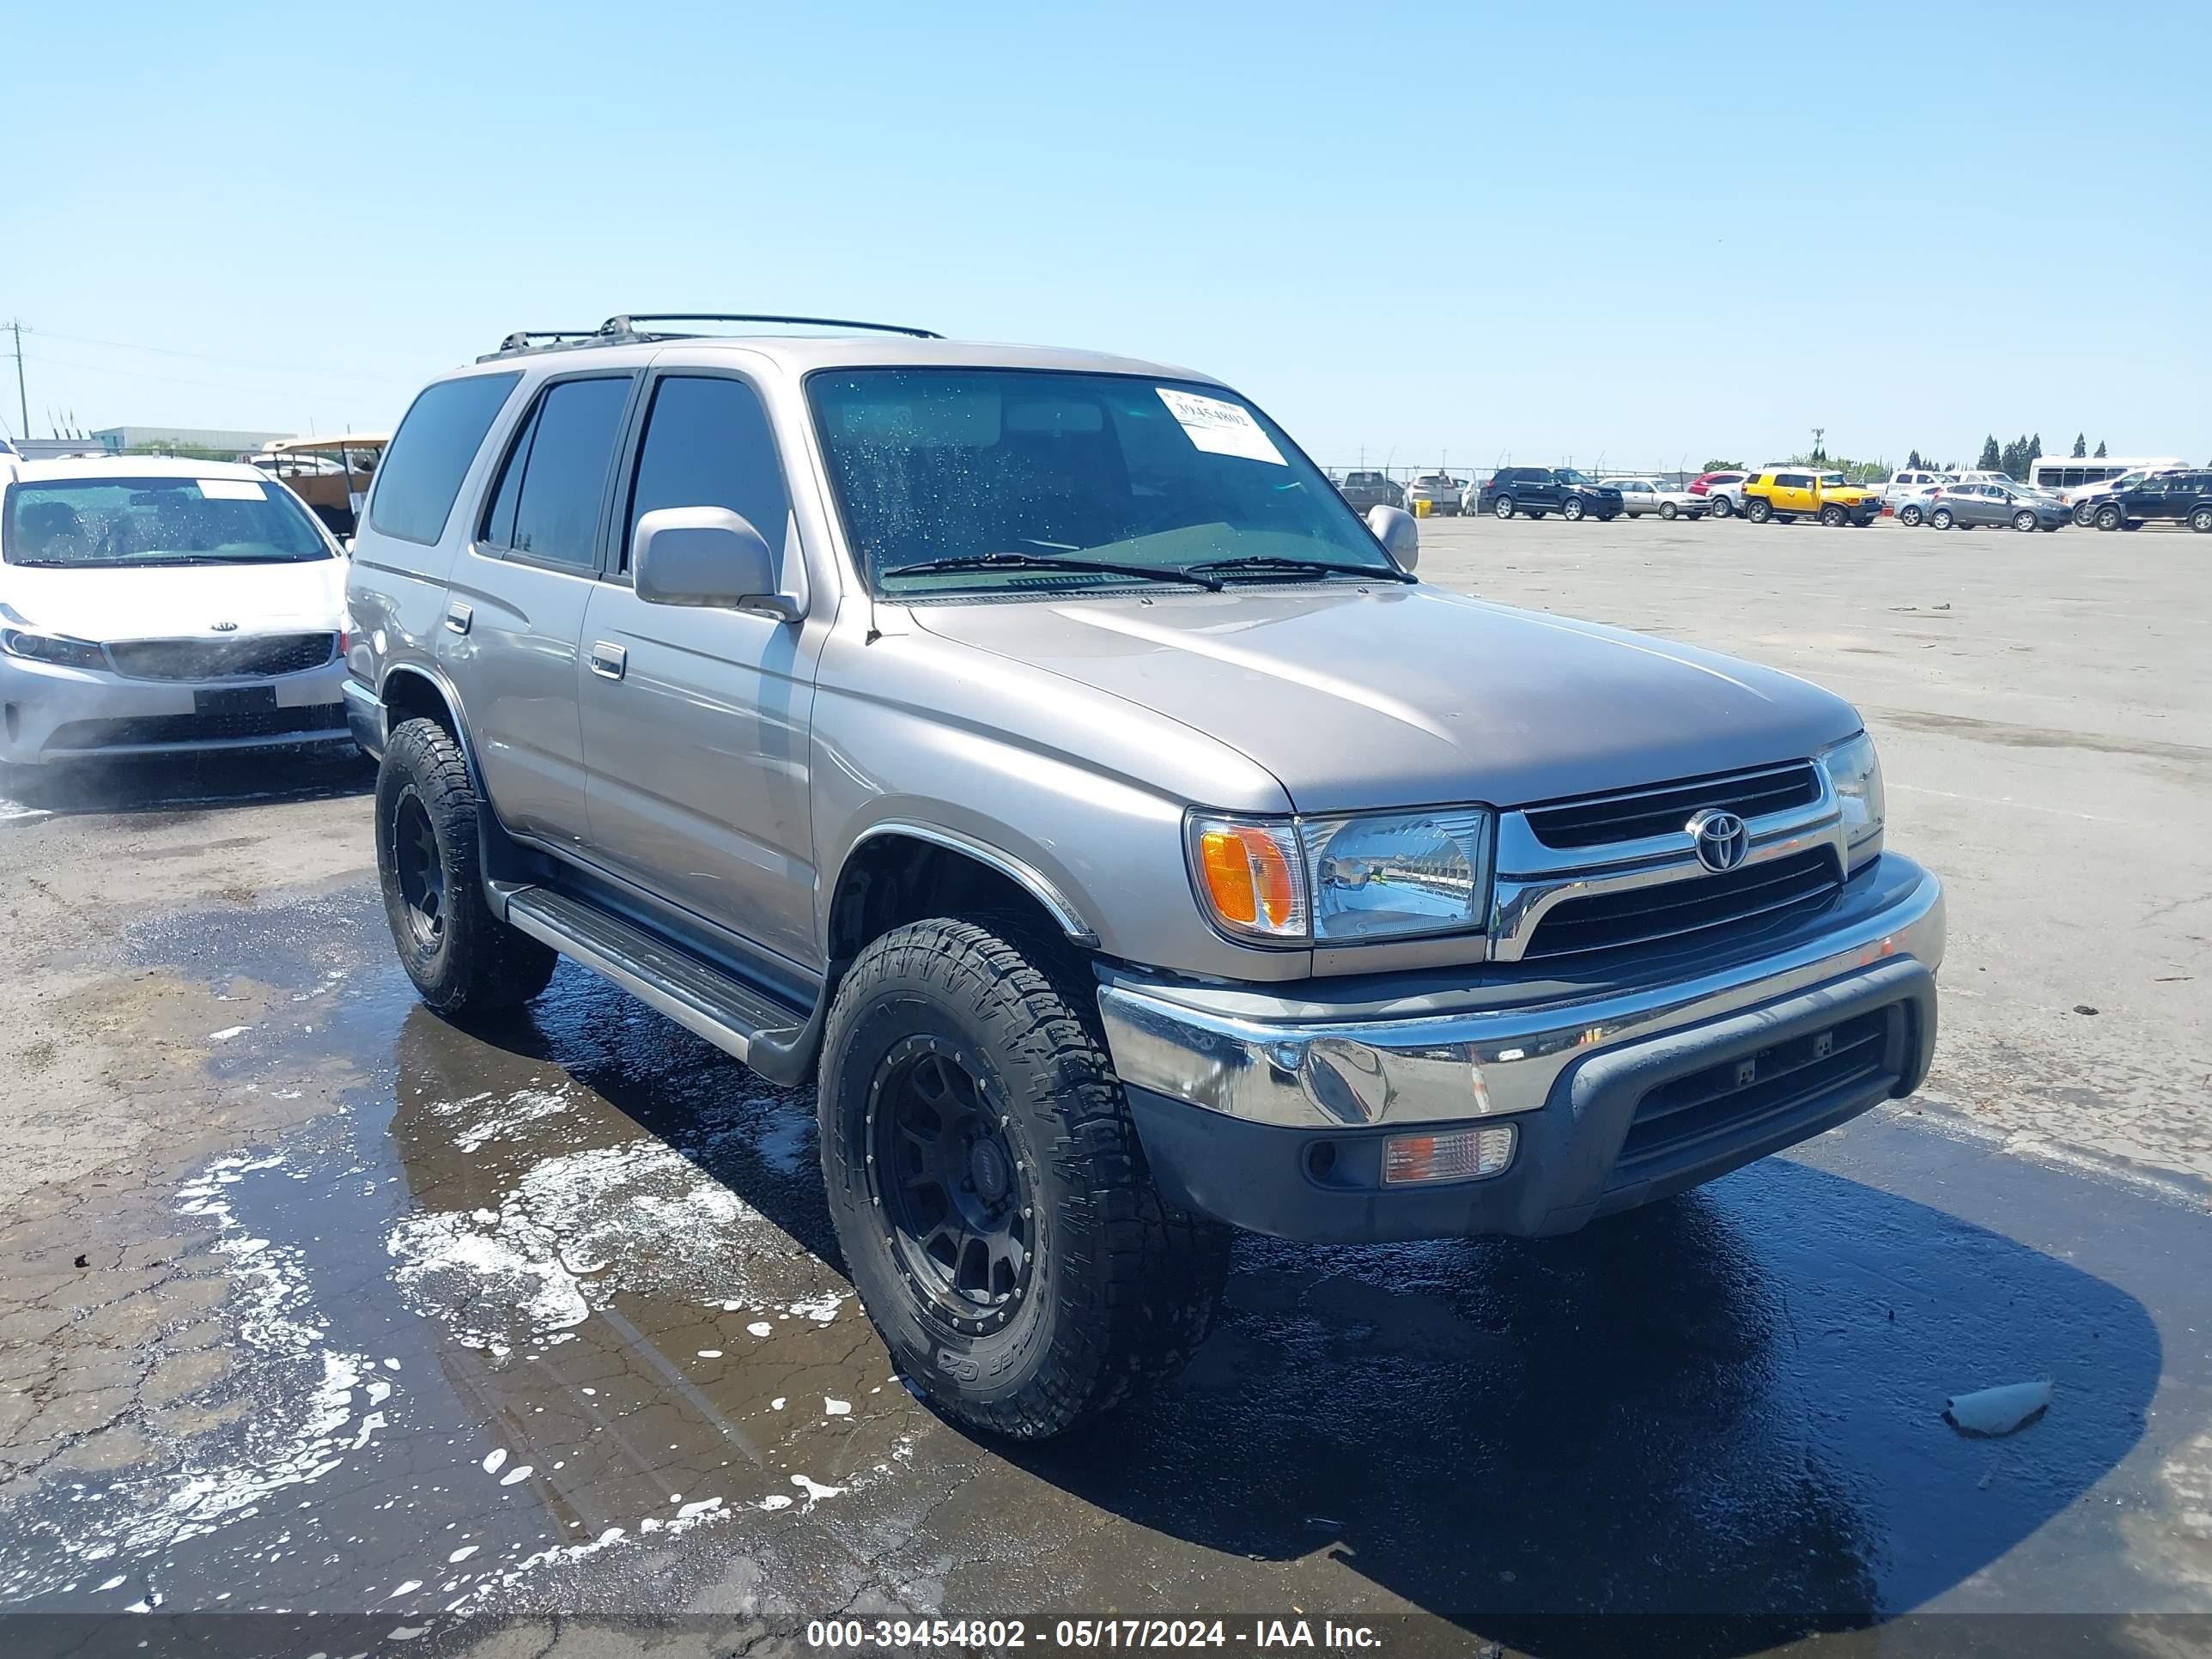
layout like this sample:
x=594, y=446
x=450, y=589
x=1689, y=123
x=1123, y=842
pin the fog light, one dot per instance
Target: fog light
x=1455, y=1155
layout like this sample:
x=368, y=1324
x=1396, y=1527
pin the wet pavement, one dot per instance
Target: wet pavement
x=546, y=1318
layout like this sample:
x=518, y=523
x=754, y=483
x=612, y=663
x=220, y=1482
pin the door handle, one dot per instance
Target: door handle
x=609, y=661
x=458, y=617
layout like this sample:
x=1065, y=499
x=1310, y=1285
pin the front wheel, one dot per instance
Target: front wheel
x=2084, y=515
x=2024, y=521
x=1833, y=517
x=2108, y=517
x=1571, y=509
x=989, y=1194
x=1758, y=510
x=1722, y=506
x=1668, y=510
x=1942, y=518
x=2201, y=521
x=460, y=957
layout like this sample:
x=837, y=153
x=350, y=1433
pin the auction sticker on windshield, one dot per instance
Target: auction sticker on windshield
x=1221, y=428
x=231, y=489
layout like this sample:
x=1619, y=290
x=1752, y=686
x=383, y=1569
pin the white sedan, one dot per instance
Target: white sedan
x=1641, y=495
x=154, y=607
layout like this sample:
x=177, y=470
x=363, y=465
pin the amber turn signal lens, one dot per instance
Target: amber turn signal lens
x=1248, y=878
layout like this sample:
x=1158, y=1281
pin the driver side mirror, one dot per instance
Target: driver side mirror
x=1398, y=532
x=707, y=557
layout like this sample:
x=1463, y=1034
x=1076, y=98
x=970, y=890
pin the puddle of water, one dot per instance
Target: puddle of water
x=487, y=1324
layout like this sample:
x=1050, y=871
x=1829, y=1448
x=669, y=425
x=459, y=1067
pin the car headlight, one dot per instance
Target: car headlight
x=1344, y=879
x=55, y=648
x=1855, y=772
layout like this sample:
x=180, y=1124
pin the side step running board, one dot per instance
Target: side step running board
x=775, y=1039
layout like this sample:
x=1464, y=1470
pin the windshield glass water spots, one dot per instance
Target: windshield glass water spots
x=77, y=522
x=937, y=464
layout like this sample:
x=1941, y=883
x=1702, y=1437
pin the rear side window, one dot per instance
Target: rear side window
x=707, y=444
x=564, y=456
x=430, y=455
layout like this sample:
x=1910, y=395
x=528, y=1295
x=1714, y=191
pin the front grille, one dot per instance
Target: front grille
x=1665, y=810
x=1674, y=910
x=262, y=657
x=199, y=728
x=1734, y=1098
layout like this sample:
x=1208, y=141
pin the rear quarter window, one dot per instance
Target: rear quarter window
x=430, y=455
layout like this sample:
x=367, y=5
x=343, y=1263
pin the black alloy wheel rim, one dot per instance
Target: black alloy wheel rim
x=958, y=1202
x=422, y=871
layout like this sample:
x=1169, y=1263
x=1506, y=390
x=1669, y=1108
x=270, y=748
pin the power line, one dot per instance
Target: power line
x=214, y=357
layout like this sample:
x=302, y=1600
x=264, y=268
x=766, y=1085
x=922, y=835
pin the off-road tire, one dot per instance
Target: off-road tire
x=1123, y=1286
x=474, y=963
x=1833, y=517
x=1758, y=509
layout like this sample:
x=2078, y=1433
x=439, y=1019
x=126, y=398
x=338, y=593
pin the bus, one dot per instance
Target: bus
x=2061, y=473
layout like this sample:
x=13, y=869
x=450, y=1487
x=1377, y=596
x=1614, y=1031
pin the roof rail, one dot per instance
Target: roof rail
x=626, y=330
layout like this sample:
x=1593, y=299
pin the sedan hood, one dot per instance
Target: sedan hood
x=177, y=601
x=1409, y=695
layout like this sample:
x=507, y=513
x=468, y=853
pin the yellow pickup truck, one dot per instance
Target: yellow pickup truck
x=1787, y=494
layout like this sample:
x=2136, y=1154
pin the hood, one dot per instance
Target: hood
x=177, y=601
x=1410, y=695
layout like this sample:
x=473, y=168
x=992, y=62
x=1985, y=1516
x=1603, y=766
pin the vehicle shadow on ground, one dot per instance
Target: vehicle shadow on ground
x=167, y=784
x=1726, y=1408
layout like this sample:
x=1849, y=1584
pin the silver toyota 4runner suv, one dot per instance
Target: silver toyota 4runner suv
x=1033, y=750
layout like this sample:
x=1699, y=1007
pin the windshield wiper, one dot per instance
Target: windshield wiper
x=1270, y=561
x=1049, y=562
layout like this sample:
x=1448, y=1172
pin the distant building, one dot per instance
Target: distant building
x=57, y=449
x=116, y=439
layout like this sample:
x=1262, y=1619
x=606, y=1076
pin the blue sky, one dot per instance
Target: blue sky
x=1605, y=232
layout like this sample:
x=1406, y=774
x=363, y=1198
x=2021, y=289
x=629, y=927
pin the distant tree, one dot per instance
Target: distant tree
x=2034, y=450
x=1721, y=466
x=1913, y=462
x=1991, y=456
x=2081, y=444
x=2101, y=449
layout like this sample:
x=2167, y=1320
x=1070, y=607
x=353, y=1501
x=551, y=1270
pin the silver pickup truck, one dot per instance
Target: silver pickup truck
x=1032, y=750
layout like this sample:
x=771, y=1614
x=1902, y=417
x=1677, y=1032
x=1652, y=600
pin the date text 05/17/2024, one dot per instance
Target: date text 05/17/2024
x=1006, y=1635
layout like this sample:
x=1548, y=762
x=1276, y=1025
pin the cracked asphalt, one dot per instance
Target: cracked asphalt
x=327, y=1325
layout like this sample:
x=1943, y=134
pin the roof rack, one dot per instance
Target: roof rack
x=633, y=327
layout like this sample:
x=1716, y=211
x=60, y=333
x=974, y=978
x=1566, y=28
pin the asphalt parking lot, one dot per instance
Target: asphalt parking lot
x=312, y=1302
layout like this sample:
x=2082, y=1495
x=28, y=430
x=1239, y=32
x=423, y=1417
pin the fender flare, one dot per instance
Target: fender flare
x=1023, y=874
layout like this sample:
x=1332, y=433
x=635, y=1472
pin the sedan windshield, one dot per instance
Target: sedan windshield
x=109, y=522
x=937, y=469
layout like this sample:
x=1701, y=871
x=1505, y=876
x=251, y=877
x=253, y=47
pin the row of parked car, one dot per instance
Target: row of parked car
x=1784, y=492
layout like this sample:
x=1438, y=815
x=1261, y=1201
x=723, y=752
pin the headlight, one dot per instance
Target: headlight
x=1855, y=771
x=51, y=647
x=1344, y=880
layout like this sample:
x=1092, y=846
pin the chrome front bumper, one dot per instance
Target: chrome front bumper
x=1483, y=1052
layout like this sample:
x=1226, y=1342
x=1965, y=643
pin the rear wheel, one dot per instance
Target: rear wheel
x=459, y=955
x=1941, y=518
x=1503, y=508
x=1721, y=507
x=1758, y=509
x=989, y=1192
x=2084, y=514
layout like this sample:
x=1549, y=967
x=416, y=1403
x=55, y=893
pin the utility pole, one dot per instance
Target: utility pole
x=22, y=398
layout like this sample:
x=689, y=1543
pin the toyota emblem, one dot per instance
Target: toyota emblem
x=1721, y=839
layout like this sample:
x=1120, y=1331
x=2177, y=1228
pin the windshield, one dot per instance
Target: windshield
x=1832, y=479
x=143, y=521
x=936, y=464
x=1568, y=475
